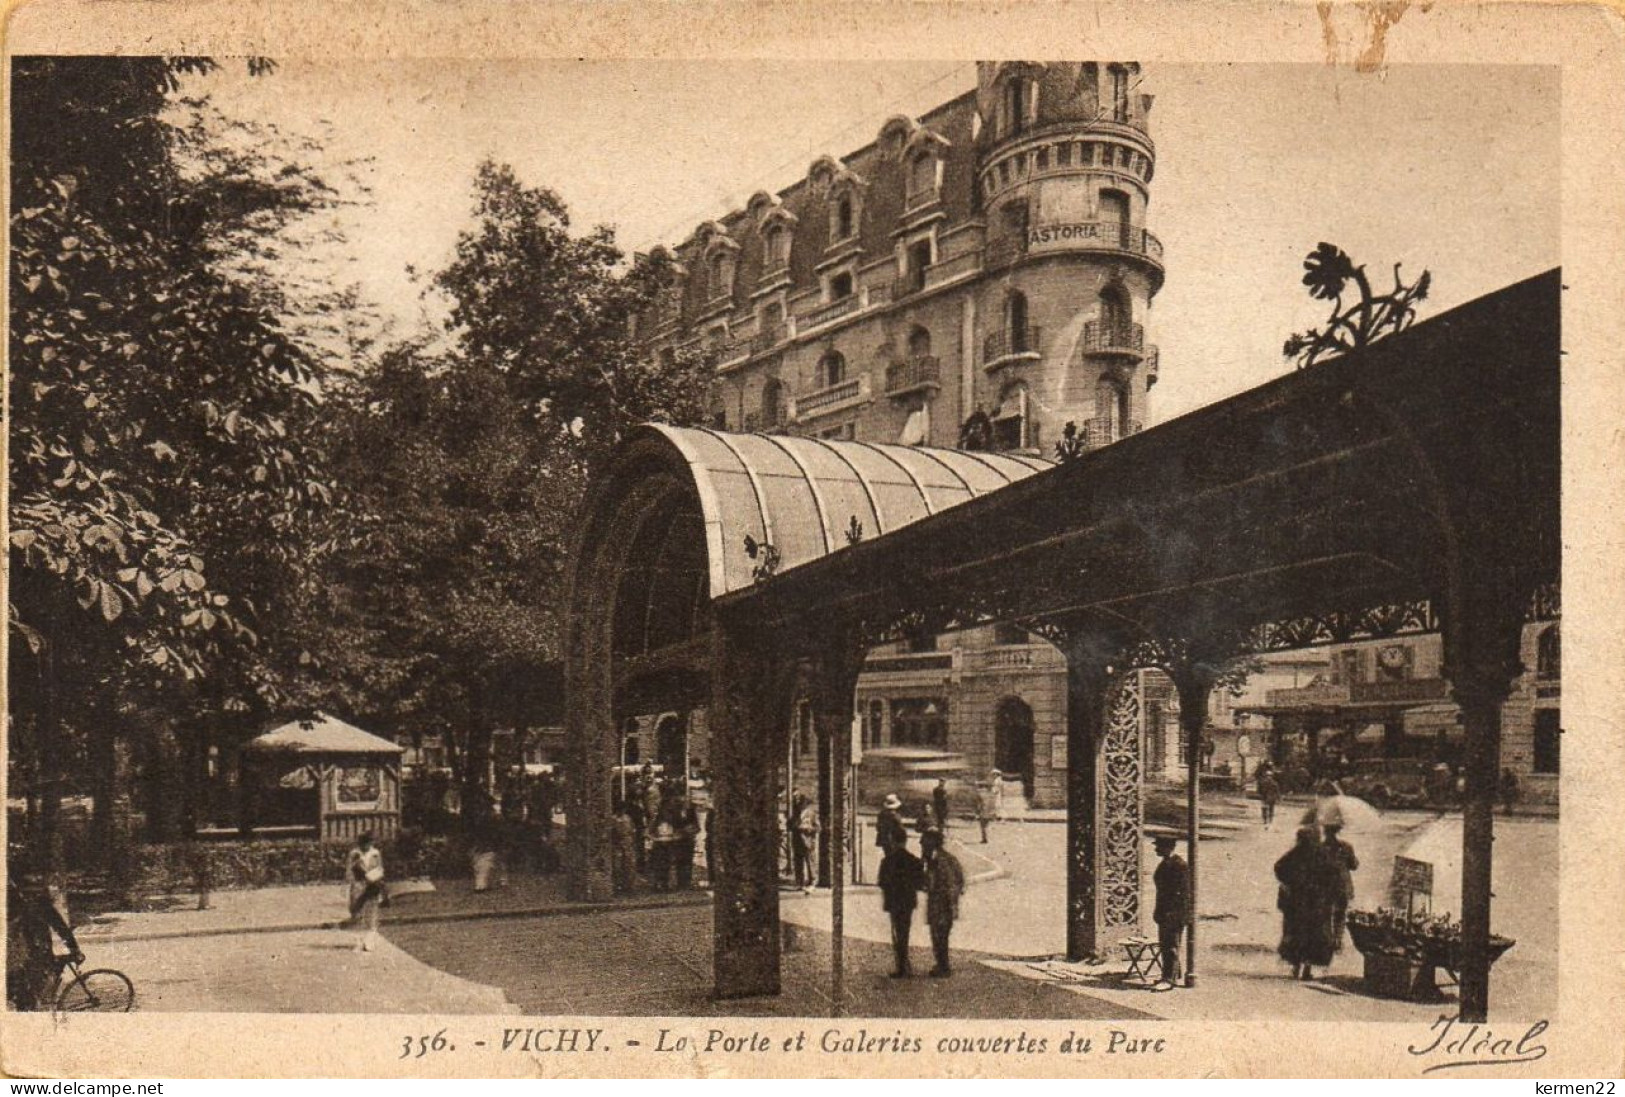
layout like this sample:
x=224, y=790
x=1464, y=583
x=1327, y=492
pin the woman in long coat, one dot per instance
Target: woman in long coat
x=1307, y=898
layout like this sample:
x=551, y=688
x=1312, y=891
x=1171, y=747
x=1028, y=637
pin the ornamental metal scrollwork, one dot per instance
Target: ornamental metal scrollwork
x=1327, y=272
x=1120, y=808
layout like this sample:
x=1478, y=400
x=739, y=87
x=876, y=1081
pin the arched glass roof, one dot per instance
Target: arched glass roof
x=801, y=495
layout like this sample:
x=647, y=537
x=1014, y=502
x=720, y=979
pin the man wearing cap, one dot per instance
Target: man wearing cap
x=901, y=878
x=1173, y=883
x=890, y=832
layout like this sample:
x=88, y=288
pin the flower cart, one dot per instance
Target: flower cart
x=1404, y=951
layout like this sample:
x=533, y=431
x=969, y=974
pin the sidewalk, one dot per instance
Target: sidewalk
x=326, y=907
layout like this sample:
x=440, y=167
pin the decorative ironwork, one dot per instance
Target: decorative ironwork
x=1327, y=272
x=1121, y=809
x=1071, y=445
x=766, y=557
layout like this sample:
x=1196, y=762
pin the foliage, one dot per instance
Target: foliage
x=1071, y=444
x=467, y=461
x=1327, y=272
x=551, y=314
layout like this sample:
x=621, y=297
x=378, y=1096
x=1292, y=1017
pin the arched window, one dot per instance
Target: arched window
x=721, y=269
x=1109, y=400
x=919, y=343
x=776, y=247
x=1548, y=655
x=772, y=404
x=1114, y=315
x=831, y=369
x=1015, y=321
x=845, y=222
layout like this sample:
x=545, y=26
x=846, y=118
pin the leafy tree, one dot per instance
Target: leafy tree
x=466, y=470
x=164, y=463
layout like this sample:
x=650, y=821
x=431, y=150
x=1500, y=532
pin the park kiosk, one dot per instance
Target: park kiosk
x=326, y=772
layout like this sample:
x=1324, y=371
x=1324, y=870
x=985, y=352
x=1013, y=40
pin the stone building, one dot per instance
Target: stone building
x=979, y=277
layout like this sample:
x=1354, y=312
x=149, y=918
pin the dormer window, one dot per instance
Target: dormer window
x=843, y=217
x=1015, y=106
x=922, y=175
x=776, y=248
x=720, y=268
x=1119, y=94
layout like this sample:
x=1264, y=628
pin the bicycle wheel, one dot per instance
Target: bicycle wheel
x=100, y=991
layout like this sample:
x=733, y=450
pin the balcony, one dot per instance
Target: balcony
x=830, y=312
x=1057, y=237
x=1115, y=340
x=913, y=375
x=853, y=390
x=1011, y=344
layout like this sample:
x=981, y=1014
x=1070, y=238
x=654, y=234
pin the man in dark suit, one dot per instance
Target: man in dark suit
x=1173, y=883
x=901, y=876
x=889, y=829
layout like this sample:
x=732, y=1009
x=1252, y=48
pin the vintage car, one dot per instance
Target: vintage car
x=1396, y=782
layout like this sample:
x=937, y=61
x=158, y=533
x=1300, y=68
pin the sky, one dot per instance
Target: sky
x=1453, y=169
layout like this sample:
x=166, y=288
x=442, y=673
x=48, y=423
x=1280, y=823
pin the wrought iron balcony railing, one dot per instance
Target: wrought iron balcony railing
x=850, y=390
x=913, y=374
x=1094, y=235
x=832, y=311
x=1010, y=343
x=1113, y=338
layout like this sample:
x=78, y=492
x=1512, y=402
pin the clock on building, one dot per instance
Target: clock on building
x=1393, y=659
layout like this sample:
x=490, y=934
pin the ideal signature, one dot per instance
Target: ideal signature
x=1478, y=1046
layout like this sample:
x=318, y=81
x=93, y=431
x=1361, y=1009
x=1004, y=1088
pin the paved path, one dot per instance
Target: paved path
x=658, y=962
x=305, y=971
x=1015, y=922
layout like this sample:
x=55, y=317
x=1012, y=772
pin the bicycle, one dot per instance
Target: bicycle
x=101, y=990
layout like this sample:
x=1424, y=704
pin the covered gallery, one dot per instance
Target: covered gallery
x=1408, y=486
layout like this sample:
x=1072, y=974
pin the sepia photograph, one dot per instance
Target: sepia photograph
x=1075, y=543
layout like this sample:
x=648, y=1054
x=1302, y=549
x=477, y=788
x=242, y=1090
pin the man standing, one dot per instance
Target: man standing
x=939, y=804
x=944, y=884
x=890, y=833
x=901, y=877
x=803, y=836
x=1269, y=792
x=1173, y=883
